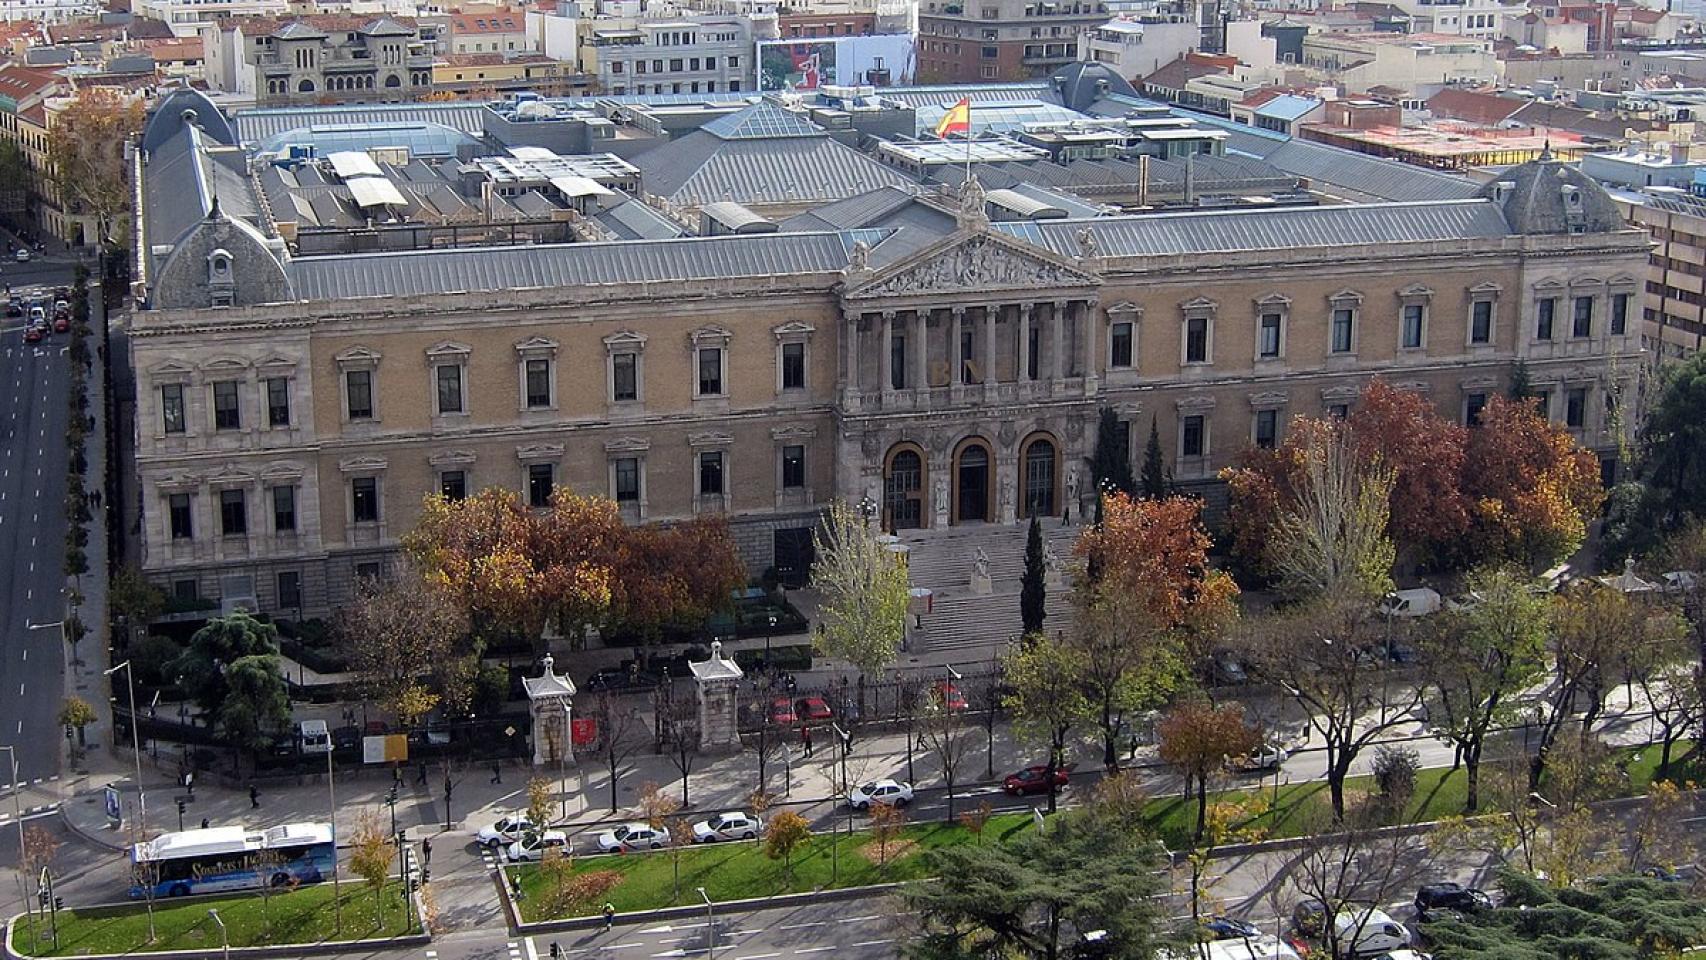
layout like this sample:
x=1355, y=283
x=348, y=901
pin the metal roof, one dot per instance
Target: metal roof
x=762, y=121
x=1232, y=231
x=254, y=126
x=375, y=192
x=633, y=220
x=701, y=168
x=351, y=163
x=488, y=269
x=1288, y=107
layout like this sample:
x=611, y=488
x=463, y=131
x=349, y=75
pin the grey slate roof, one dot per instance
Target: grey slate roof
x=704, y=168
x=1230, y=231
x=172, y=113
x=633, y=220
x=978, y=93
x=1082, y=83
x=863, y=210
x=253, y=126
x=1358, y=177
x=1536, y=201
x=486, y=269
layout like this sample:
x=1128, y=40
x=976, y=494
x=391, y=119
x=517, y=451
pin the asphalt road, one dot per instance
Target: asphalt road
x=33, y=379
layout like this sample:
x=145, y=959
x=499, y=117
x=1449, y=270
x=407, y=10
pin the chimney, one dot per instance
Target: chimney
x=1679, y=152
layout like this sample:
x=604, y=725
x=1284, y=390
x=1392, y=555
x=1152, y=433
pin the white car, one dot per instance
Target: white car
x=22, y=256
x=1267, y=757
x=881, y=792
x=632, y=836
x=505, y=831
x=534, y=845
x=727, y=826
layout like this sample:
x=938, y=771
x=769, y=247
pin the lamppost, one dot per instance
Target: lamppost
x=867, y=509
x=135, y=747
x=332, y=798
x=767, y=635
x=17, y=805
x=224, y=935
x=710, y=927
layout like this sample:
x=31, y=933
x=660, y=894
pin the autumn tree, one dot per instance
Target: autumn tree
x=370, y=859
x=569, y=891
x=539, y=802
x=1198, y=739
x=76, y=712
x=783, y=836
x=517, y=568
x=1532, y=488
x=1345, y=865
x=673, y=576
x=863, y=586
x=888, y=821
x=1477, y=660
x=1047, y=698
x=86, y=154
x=1402, y=430
x=400, y=631
x=1138, y=621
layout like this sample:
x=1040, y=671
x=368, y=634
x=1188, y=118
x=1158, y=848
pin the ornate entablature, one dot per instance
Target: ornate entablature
x=977, y=265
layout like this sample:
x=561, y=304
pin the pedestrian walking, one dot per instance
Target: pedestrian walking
x=397, y=776
x=609, y=916
x=420, y=777
x=497, y=772
x=806, y=739
x=254, y=797
x=426, y=852
x=204, y=823
x=1131, y=752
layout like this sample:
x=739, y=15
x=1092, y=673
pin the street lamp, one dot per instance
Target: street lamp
x=710, y=927
x=224, y=935
x=17, y=805
x=332, y=797
x=135, y=747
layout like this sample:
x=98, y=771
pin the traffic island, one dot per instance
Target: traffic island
x=289, y=924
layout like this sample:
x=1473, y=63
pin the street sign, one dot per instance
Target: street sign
x=1037, y=815
x=583, y=731
x=112, y=805
x=509, y=731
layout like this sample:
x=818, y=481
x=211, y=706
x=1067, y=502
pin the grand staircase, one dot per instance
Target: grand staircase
x=979, y=625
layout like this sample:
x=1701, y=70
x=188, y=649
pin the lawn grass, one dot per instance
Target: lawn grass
x=300, y=916
x=739, y=871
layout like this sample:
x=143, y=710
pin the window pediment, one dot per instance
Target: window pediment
x=1549, y=285
x=170, y=369
x=1415, y=291
x=1340, y=394
x=712, y=336
x=1486, y=286
x=1269, y=399
x=225, y=365
x=793, y=330
x=1478, y=384
x=363, y=464
x=1345, y=298
x=1274, y=301
x=277, y=363
x=451, y=458
x=1199, y=306
x=786, y=434
x=358, y=356
x=281, y=472
x=627, y=445
x=178, y=481
x=539, y=451
x=1125, y=310
x=449, y=350
x=1194, y=403
x=627, y=341
x=230, y=477
x=536, y=345
x=710, y=438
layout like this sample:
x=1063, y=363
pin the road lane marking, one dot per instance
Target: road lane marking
x=758, y=956
x=872, y=943
x=802, y=926
x=813, y=949
x=874, y=916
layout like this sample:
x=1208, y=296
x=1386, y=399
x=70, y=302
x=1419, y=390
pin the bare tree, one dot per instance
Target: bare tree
x=1349, y=867
x=617, y=726
x=943, y=731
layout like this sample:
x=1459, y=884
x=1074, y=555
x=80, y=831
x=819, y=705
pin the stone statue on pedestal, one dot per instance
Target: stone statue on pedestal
x=980, y=582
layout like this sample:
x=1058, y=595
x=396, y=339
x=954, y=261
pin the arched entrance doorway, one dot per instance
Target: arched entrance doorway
x=903, y=489
x=1039, y=471
x=973, y=482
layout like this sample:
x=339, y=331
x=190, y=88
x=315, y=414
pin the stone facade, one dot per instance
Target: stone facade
x=289, y=445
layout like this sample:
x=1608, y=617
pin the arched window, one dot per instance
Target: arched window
x=903, y=491
x=306, y=86
x=1039, y=478
x=393, y=81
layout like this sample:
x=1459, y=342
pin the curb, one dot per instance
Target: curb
x=694, y=911
x=326, y=948
x=85, y=835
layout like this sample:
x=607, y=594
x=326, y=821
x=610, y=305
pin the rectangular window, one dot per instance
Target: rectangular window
x=711, y=473
x=172, y=407
x=1269, y=345
x=1338, y=411
x=793, y=467
x=364, y=499
x=367, y=572
x=1582, y=323
x=1481, y=321
x=625, y=382
x=1543, y=318
x=290, y=589
x=233, y=513
x=541, y=480
x=1267, y=427
x=1033, y=353
x=793, y=366
x=897, y=361
x=226, y=414
x=1193, y=437
x=1575, y=407
x=185, y=590
x=710, y=371
x=449, y=378
x=1196, y=340
x=968, y=356
x=538, y=383
x=1412, y=332
x=1343, y=320
x=358, y=384
x=278, y=402
x=178, y=506
x=1119, y=354
x=453, y=485
x=284, y=509
x=628, y=480
x=1619, y=314
x=1472, y=409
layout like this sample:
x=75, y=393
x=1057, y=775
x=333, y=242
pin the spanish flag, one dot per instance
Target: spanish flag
x=956, y=120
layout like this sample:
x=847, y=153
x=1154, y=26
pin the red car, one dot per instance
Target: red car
x=32, y=334
x=813, y=710
x=782, y=712
x=61, y=323
x=1034, y=780
x=949, y=696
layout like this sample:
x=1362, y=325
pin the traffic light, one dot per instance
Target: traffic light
x=426, y=875
x=41, y=897
x=391, y=797
x=556, y=951
x=59, y=903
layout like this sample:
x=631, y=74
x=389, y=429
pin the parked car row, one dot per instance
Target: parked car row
x=519, y=839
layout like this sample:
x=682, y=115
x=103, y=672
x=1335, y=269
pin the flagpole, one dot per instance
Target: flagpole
x=968, y=140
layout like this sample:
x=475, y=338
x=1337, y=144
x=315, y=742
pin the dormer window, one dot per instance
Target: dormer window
x=1572, y=197
x=219, y=267
x=1502, y=191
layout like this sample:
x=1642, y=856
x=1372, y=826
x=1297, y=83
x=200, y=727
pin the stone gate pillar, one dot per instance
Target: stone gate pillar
x=718, y=679
x=550, y=705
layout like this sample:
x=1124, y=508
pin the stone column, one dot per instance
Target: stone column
x=718, y=679
x=1022, y=356
x=918, y=353
x=885, y=355
x=1091, y=327
x=1057, y=330
x=991, y=314
x=850, y=386
x=956, y=360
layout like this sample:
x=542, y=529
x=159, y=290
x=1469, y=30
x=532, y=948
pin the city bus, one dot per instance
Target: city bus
x=222, y=859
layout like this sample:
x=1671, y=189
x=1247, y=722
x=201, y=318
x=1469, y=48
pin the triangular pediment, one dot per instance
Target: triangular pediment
x=972, y=264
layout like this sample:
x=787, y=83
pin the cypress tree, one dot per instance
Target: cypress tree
x=1154, y=470
x=1111, y=460
x=1032, y=587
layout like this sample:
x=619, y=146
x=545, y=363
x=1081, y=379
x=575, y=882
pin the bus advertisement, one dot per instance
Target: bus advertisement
x=223, y=859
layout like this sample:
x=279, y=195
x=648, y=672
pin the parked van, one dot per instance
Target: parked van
x=316, y=738
x=1369, y=933
x=1265, y=947
x=1410, y=603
